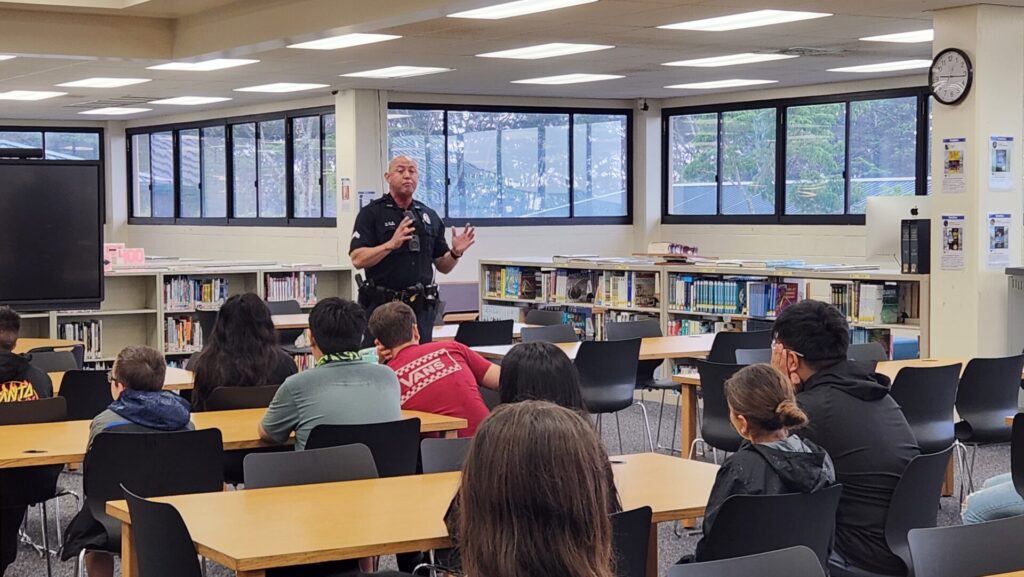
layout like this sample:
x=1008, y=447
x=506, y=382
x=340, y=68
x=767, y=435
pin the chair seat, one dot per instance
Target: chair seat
x=969, y=435
x=607, y=399
x=659, y=385
x=293, y=350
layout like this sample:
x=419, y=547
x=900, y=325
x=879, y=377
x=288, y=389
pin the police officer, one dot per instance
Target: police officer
x=399, y=241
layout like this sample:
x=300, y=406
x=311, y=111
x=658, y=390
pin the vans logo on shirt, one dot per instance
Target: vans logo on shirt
x=17, y=391
x=423, y=371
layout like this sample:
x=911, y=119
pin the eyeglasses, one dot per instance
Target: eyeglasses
x=777, y=343
x=111, y=378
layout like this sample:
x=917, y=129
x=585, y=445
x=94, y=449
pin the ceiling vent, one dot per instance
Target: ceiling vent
x=114, y=102
x=811, y=52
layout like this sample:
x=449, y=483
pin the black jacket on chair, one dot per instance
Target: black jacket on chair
x=853, y=417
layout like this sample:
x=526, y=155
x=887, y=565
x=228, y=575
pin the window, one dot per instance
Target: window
x=72, y=145
x=517, y=166
x=272, y=170
x=19, y=139
x=835, y=152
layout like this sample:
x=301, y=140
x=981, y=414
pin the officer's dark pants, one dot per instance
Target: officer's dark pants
x=424, y=320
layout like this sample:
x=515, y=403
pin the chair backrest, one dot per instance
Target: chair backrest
x=30, y=485
x=1017, y=454
x=977, y=549
x=715, y=428
x=41, y=411
x=87, y=394
x=485, y=333
x=867, y=352
x=607, y=371
x=915, y=503
x=206, y=320
x=439, y=314
x=163, y=544
x=791, y=562
x=327, y=465
x=723, y=348
x=549, y=334
x=986, y=396
x=286, y=336
x=443, y=455
x=54, y=361
x=753, y=356
x=632, y=330
x=631, y=534
x=230, y=398
x=926, y=395
x=150, y=464
x=749, y=524
x=491, y=398
x=544, y=317
x=395, y=445
x=77, y=351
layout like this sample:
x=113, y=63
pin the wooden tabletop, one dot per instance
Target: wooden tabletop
x=441, y=333
x=292, y=525
x=652, y=348
x=1013, y=574
x=65, y=443
x=447, y=332
x=175, y=379
x=887, y=368
x=296, y=321
x=26, y=344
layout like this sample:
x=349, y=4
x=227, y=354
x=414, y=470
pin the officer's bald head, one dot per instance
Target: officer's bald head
x=402, y=176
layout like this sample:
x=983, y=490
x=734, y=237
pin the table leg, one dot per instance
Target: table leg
x=687, y=420
x=129, y=562
x=652, y=552
x=451, y=434
x=947, y=483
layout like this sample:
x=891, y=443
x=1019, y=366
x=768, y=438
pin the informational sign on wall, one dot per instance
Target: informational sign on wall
x=954, y=165
x=1000, y=171
x=952, y=242
x=366, y=197
x=345, y=185
x=998, y=227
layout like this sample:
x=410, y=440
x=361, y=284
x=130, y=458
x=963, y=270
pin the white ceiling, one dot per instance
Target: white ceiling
x=123, y=37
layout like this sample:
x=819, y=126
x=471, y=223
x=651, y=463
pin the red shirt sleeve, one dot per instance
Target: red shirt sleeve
x=477, y=364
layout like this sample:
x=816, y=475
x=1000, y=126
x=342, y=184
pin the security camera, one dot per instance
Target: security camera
x=334, y=92
x=642, y=104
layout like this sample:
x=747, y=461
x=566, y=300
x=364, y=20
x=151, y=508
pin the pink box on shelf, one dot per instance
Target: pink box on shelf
x=133, y=256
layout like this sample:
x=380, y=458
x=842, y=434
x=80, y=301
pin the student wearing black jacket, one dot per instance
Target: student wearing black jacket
x=852, y=417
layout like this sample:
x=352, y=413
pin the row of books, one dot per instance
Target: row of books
x=706, y=295
x=766, y=299
x=870, y=302
x=862, y=336
x=186, y=294
x=305, y=361
x=183, y=335
x=296, y=286
x=621, y=289
x=89, y=332
x=630, y=289
x=676, y=327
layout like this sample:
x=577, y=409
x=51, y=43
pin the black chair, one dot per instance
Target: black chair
x=549, y=334
x=716, y=430
x=327, y=465
x=439, y=314
x=206, y=320
x=443, y=455
x=54, y=361
x=867, y=352
x=926, y=395
x=986, y=396
x=723, y=348
x=607, y=371
x=544, y=317
x=491, y=398
x=485, y=333
x=969, y=550
x=77, y=351
x=753, y=356
x=1017, y=454
x=631, y=535
x=792, y=562
x=750, y=524
x=286, y=337
x=231, y=398
x=395, y=445
x=50, y=410
x=645, y=371
x=163, y=545
x=87, y=394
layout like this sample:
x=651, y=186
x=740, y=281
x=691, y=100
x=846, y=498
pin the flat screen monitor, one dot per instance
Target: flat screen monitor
x=883, y=217
x=51, y=220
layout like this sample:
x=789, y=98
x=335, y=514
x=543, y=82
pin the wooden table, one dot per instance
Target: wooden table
x=26, y=344
x=441, y=333
x=447, y=332
x=651, y=349
x=175, y=379
x=295, y=321
x=1013, y=574
x=64, y=443
x=291, y=525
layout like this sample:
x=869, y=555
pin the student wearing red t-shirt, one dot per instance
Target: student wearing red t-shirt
x=439, y=377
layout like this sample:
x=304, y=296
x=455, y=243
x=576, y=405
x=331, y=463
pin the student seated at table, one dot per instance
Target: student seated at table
x=997, y=499
x=342, y=389
x=534, y=496
x=772, y=461
x=136, y=383
x=442, y=377
x=853, y=418
x=543, y=372
x=242, y=350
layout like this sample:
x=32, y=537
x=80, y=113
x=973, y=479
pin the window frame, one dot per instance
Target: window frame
x=572, y=219
x=781, y=107
x=289, y=220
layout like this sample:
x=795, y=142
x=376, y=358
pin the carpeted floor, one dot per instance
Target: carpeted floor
x=990, y=461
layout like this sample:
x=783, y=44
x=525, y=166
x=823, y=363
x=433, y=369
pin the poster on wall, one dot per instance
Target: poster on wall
x=366, y=197
x=952, y=242
x=954, y=165
x=1000, y=171
x=998, y=253
x=346, y=194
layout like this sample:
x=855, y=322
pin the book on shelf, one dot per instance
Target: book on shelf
x=183, y=335
x=88, y=332
x=702, y=295
x=870, y=303
x=295, y=286
x=890, y=309
x=186, y=294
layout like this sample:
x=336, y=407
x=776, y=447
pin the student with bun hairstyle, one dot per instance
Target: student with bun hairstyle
x=772, y=461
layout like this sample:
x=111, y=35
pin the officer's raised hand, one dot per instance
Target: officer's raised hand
x=403, y=233
x=461, y=242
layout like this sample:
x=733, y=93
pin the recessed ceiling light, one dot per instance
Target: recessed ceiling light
x=101, y=82
x=545, y=51
x=278, y=87
x=731, y=83
x=520, y=8
x=29, y=95
x=730, y=60
x=397, y=72
x=904, y=37
x=574, y=78
x=343, y=41
x=745, y=20
x=885, y=66
x=7, y=57
x=116, y=111
x=204, y=66
x=190, y=100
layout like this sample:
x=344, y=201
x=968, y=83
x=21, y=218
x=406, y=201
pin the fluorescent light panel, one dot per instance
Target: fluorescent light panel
x=190, y=100
x=116, y=111
x=397, y=72
x=904, y=37
x=102, y=82
x=279, y=87
x=29, y=95
x=550, y=50
x=575, y=78
x=519, y=8
x=745, y=20
x=730, y=60
x=204, y=66
x=731, y=83
x=343, y=41
x=7, y=57
x=885, y=66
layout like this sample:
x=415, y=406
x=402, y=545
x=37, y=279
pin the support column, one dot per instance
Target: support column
x=361, y=117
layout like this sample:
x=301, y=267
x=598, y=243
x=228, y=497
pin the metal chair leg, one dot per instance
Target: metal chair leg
x=647, y=426
x=46, y=541
x=661, y=413
x=675, y=421
x=618, y=431
x=80, y=564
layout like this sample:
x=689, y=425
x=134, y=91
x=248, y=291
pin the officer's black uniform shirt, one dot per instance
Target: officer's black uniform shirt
x=375, y=225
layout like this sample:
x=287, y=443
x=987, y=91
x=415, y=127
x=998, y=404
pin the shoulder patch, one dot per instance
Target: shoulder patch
x=426, y=218
x=355, y=234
